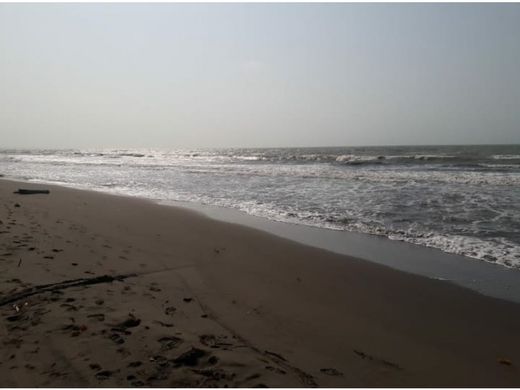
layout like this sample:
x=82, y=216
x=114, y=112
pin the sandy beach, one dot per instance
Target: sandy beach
x=100, y=290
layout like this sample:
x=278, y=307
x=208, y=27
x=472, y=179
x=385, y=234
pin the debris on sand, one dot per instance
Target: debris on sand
x=22, y=191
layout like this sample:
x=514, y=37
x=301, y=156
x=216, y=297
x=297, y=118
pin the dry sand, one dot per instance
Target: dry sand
x=200, y=302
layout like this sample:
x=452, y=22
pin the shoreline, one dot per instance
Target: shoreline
x=490, y=279
x=492, y=249
x=247, y=308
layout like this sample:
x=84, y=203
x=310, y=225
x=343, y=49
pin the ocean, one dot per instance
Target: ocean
x=459, y=199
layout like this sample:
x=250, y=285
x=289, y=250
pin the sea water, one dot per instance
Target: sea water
x=460, y=199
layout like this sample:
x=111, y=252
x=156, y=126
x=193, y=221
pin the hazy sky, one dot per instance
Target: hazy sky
x=190, y=75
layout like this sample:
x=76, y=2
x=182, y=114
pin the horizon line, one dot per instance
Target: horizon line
x=254, y=147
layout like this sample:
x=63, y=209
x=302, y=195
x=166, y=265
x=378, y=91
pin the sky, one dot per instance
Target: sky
x=258, y=75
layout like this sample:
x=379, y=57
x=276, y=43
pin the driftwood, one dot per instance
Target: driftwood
x=22, y=191
x=61, y=286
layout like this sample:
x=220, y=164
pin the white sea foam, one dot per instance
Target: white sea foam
x=353, y=159
x=506, y=156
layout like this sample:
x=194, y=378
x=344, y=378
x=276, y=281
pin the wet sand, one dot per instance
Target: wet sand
x=98, y=290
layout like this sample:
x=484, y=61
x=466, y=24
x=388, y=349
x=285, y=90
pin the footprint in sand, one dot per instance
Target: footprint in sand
x=103, y=375
x=168, y=343
x=99, y=317
x=169, y=310
x=116, y=338
x=212, y=341
x=218, y=251
x=74, y=330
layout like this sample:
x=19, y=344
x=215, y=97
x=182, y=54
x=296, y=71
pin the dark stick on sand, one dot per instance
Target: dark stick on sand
x=22, y=191
x=61, y=286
